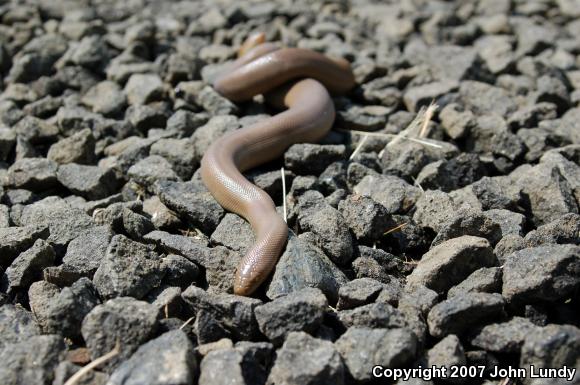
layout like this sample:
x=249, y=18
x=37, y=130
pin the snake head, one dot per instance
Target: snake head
x=244, y=284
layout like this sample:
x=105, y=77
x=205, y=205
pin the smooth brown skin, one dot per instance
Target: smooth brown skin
x=266, y=68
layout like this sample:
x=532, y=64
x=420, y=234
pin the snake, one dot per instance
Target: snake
x=297, y=81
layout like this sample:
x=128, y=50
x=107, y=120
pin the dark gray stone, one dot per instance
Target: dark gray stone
x=192, y=248
x=31, y=361
x=307, y=360
x=28, y=266
x=193, y=202
x=88, y=181
x=65, y=222
x=62, y=312
x=235, y=313
x=447, y=353
x=357, y=292
x=179, y=271
x=124, y=320
x=367, y=219
x=77, y=148
x=456, y=121
x=451, y=262
x=302, y=310
x=462, y=312
x=36, y=131
x=247, y=363
x=508, y=221
x=15, y=240
x=482, y=98
x=328, y=226
x=106, y=98
x=128, y=269
x=565, y=229
x=484, y=280
x=469, y=222
x=144, y=88
x=180, y=153
x=396, y=195
x=149, y=170
x=308, y=159
x=374, y=315
x=505, y=337
x=16, y=324
x=234, y=233
x=166, y=360
x=543, y=273
x=304, y=265
x=420, y=96
x=36, y=174
x=448, y=175
x=393, y=348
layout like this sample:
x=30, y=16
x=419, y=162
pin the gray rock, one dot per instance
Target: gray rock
x=36, y=131
x=15, y=240
x=451, y=262
x=447, y=353
x=552, y=347
x=67, y=369
x=376, y=264
x=4, y=216
x=88, y=181
x=185, y=123
x=151, y=169
x=462, y=312
x=216, y=127
x=193, y=202
x=308, y=159
x=367, y=219
x=420, y=298
x=7, y=143
x=165, y=360
x=496, y=193
x=304, y=265
x=214, y=103
x=328, y=226
x=366, y=118
x=544, y=273
x=505, y=337
x=145, y=117
x=234, y=233
x=161, y=216
x=220, y=269
x=31, y=361
x=469, y=222
x=357, y=292
x=396, y=195
x=456, y=121
x=136, y=225
x=180, y=153
x=420, y=96
x=565, y=229
x=106, y=98
x=302, y=310
x=179, y=271
x=28, y=266
x=144, y=88
x=374, y=315
x=64, y=221
x=128, y=269
x=124, y=320
x=484, y=280
x=192, y=248
x=16, y=324
x=247, y=363
x=448, y=175
x=509, y=222
x=392, y=348
x=235, y=313
x=77, y=148
x=508, y=245
x=548, y=193
x=482, y=98
x=62, y=312
x=307, y=360
x=434, y=209
x=36, y=174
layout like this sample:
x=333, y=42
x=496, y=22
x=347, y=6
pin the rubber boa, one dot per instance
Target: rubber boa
x=300, y=81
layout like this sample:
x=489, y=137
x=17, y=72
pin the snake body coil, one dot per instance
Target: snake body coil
x=294, y=78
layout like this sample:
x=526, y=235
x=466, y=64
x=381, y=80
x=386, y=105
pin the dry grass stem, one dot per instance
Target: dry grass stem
x=396, y=228
x=427, y=119
x=358, y=147
x=284, y=194
x=186, y=323
x=75, y=378
x=385, y=135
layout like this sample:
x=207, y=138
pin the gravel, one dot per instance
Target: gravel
x=455, y=244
